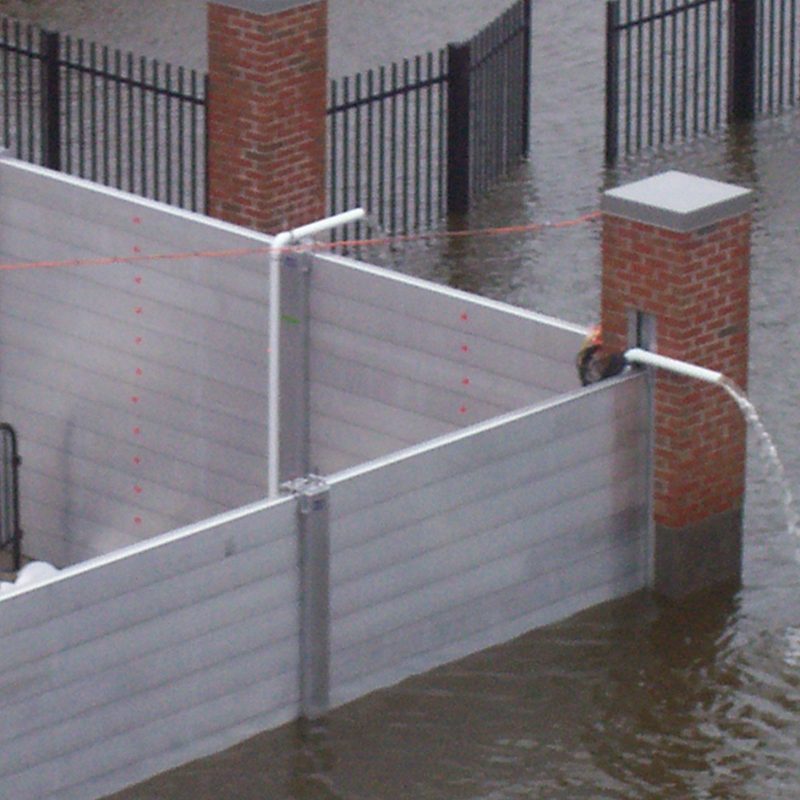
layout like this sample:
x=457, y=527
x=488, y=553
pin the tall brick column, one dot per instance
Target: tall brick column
x=676, y=272
x=266, y=114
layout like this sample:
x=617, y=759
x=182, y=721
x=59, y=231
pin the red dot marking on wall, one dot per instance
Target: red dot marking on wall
x=137, y=220
x=465, y=381
x=138, y=371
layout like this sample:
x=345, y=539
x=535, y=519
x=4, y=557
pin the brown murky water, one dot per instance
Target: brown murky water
x=635, y=699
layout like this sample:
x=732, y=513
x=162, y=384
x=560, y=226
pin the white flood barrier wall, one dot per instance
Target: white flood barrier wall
x=469, y=491
x=139, y=388
x=473, y=540
x=178, y=647
x=136, y=662
x=396, y=361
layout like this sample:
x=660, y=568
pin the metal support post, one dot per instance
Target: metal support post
x=50, y=100
x=294, y=434
x=612, y=82
x=458, y=128
x=279, y=243
x=742, y=69
x=526, y=88
x=313, y=509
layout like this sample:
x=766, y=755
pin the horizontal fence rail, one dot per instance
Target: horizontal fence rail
x=120, y=120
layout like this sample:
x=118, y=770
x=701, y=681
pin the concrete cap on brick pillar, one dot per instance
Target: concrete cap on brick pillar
x=264, y=6
x=677, y=201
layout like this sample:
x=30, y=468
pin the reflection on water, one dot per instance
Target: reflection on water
x=635, y=699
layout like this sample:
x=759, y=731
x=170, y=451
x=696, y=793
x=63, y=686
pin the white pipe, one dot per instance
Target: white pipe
x=273, y=401
x=353, y=215
x=638, y=356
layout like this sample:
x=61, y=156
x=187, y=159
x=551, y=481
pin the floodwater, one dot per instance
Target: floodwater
x=635, y=699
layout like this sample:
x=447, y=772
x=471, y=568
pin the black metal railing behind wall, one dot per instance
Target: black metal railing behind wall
x=10, y=528
x=409, y=142
x=678, y=68
x=119, y=120
x=416, y=140
x=777, y=47
x=666, y=72
x=386, y=143
x=493, y=85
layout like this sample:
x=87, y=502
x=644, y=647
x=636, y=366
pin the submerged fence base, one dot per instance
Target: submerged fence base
x=678, y=72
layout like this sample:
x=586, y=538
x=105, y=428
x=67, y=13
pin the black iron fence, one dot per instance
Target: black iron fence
x=10, y=529
x=108, y=116
x=387, y=143
x=777, y=46
x=415, y=140
x=666, y=72
x=488, y=123
x=677, y=68
x=409, y=142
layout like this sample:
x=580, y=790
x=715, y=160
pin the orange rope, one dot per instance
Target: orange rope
x=243, y=251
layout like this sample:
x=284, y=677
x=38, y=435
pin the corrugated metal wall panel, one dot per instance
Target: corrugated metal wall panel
x=517, y=361
x=138, y=390
x=150, y=657
x=539, y=510
x=442, y=306
x=31, y=190
x=398, y=346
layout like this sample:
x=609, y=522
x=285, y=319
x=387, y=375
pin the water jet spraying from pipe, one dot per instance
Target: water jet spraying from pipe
x=769, y=452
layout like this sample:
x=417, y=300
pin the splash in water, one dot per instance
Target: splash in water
x=769, y=452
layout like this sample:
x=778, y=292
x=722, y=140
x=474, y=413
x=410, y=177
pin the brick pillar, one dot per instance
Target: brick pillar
x=676, y=266
x=266, y=113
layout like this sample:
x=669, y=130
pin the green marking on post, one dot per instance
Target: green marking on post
x=290, y=319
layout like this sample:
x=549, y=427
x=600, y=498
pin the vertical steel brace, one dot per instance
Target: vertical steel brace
x=313, y=513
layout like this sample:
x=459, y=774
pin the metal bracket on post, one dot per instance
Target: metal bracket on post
x=313, y=513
